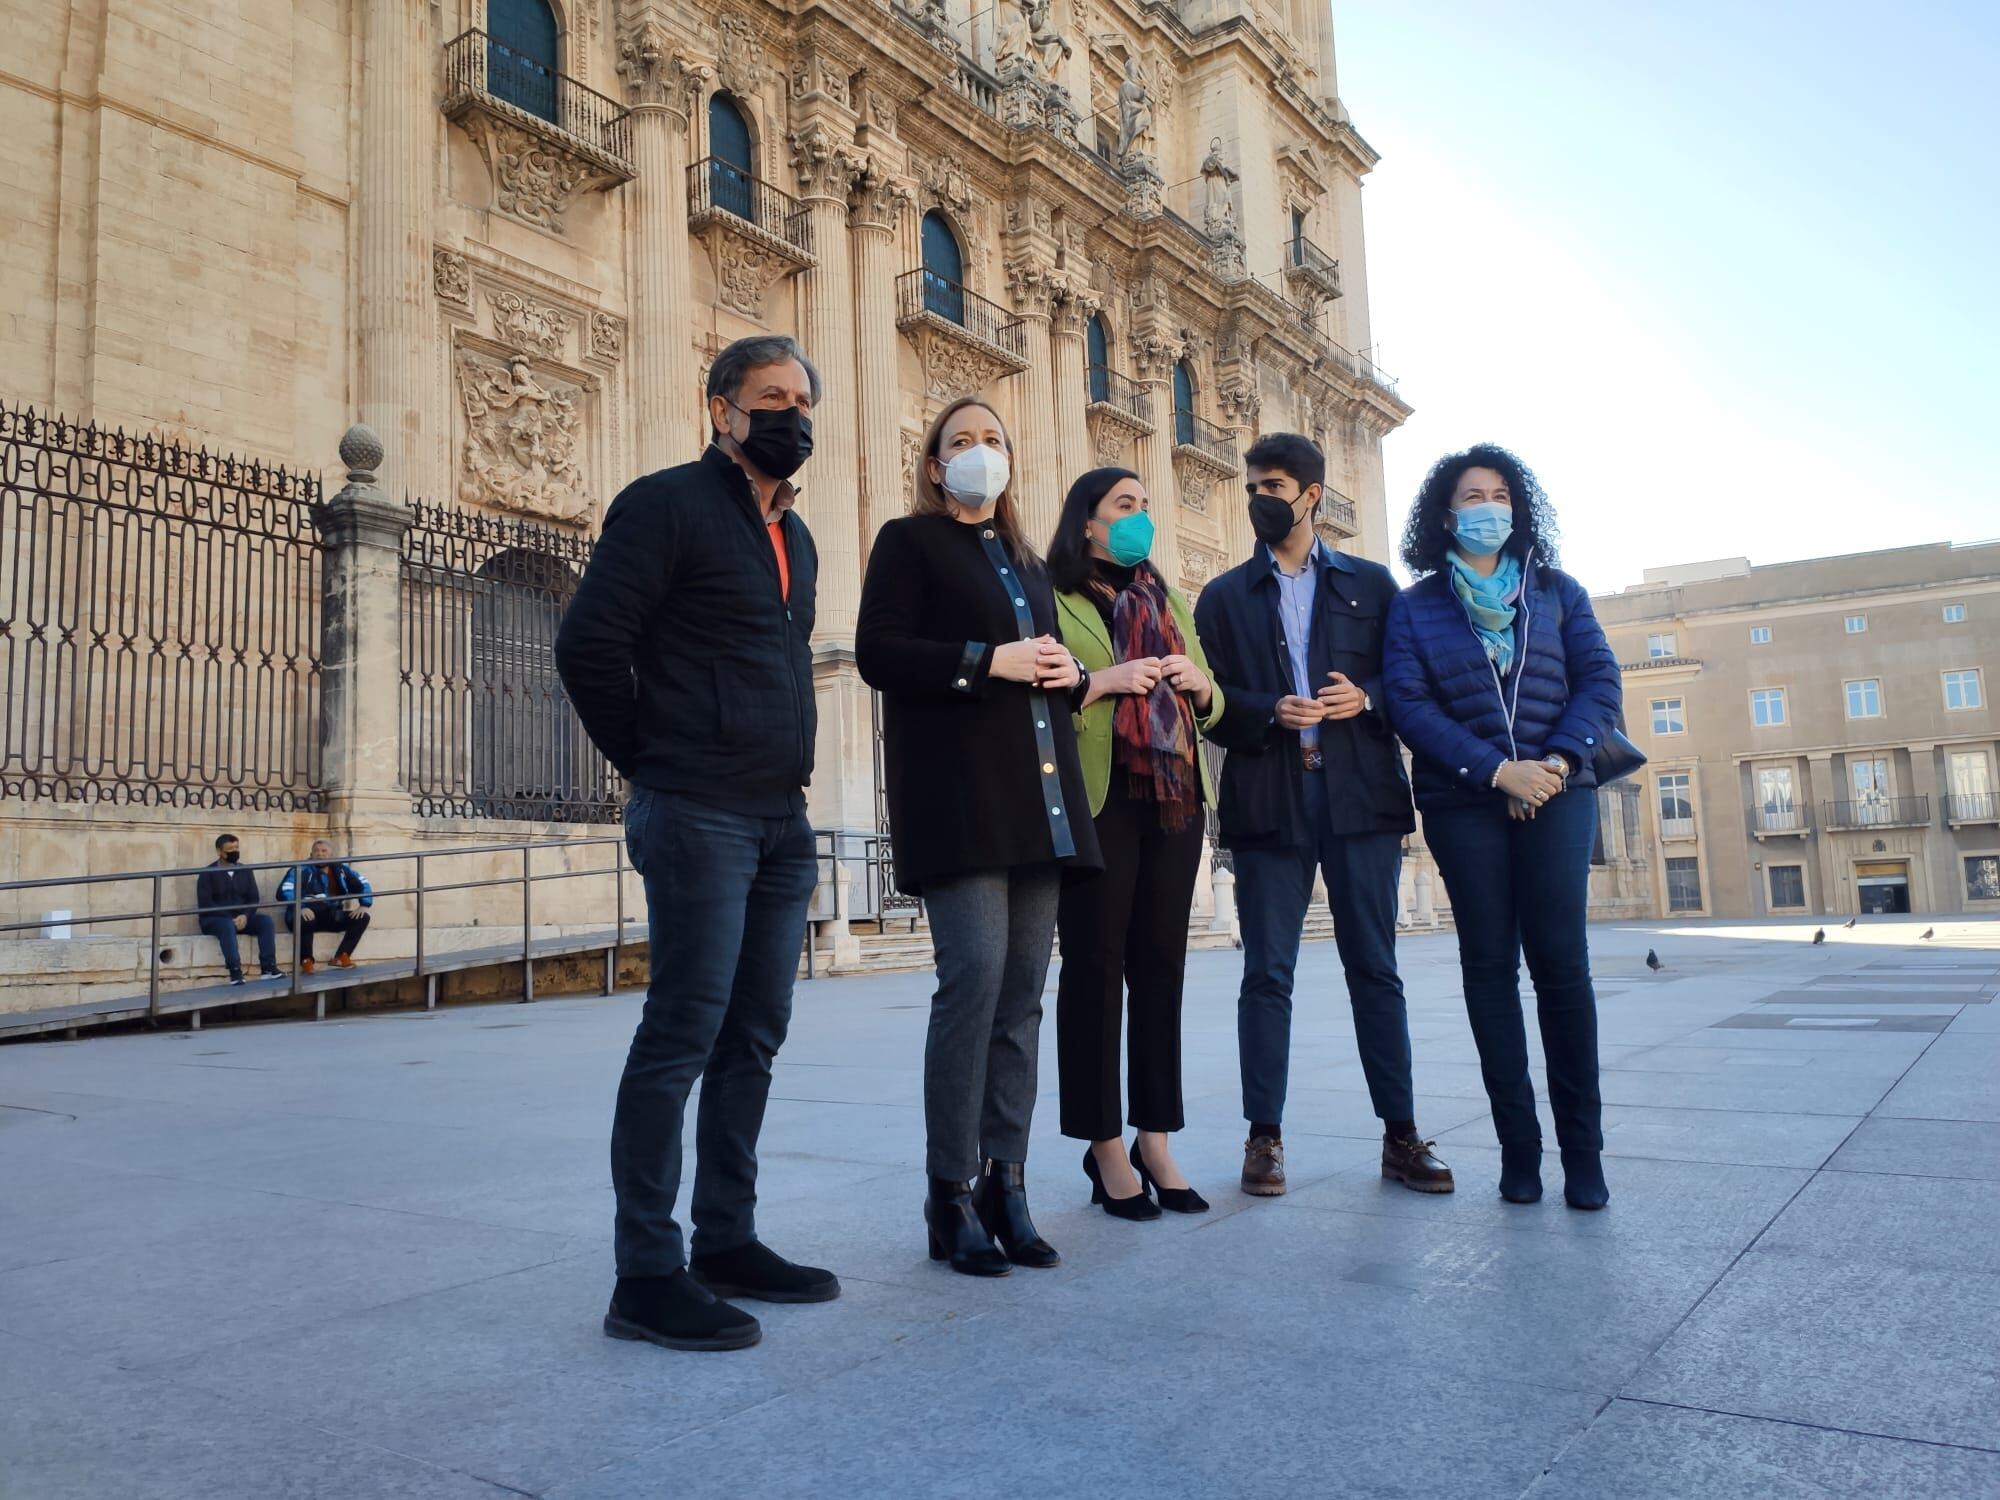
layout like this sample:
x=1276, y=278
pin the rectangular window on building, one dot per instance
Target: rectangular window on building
x=1856, y=624
x=1982, y=877
x=1864, y=698
x=1660, y=645
x=1788, y=887
x=1683, y=885
x=1777, y=804
x=1669, y=717
x=1962, y=690
x=1760, y=635
x=1676, y=805
x=1767, y=706
x=1954, y=614
x=1971, y=787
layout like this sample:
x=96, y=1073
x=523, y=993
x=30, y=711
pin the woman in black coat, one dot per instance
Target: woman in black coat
x=986, y=807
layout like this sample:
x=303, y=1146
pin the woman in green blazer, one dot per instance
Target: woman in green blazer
x=1145, y=699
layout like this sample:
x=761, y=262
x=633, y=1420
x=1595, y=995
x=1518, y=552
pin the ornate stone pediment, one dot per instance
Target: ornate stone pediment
x=739, y=67
x=956, y=363
x=523, y=432
x=533, y=178
x=525, y=324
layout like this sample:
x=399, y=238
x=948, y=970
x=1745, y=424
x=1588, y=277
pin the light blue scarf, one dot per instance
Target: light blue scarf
x=1490, y=603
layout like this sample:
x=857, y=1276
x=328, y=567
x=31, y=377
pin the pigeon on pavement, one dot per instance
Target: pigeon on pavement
x=1850, y=922
x=1653, y=961
x=1927, y=934
x=1819, y=937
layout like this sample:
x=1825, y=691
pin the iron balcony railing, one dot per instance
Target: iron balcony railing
x=1306, y=262
x=1878, y=812
x=1676, y=828
x=1109, y=388
x=478, y=66
x=924, y=293
x=1972, y=807
x=1339, y=510
x=1219, y=443
x=718, y=186
x=1765, y=821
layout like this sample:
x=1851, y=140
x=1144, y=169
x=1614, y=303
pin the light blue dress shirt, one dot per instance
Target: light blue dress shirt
x=1296, y=596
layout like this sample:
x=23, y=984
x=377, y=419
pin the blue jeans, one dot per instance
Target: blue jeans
x=1273, y=889
x=1524, y=887
x=726, y=899
x=223, y=929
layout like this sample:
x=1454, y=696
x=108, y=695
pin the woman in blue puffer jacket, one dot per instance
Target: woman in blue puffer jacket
x=1499, y=679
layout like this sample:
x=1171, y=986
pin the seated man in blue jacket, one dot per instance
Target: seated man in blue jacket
x=228, y=899
x=330, y=897
x=1313, y=779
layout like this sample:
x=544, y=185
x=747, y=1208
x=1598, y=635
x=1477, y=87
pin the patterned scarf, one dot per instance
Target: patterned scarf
x=1153, y=734
x=1490, y=603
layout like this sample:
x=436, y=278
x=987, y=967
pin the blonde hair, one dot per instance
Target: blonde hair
x=930, y=498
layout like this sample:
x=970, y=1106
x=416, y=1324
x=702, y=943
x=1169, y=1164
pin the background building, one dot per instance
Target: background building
x=1822, y=733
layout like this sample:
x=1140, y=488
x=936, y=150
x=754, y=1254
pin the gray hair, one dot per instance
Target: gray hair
x=734, y=364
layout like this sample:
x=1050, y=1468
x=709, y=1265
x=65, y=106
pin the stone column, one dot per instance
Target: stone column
x=876, y=213
x=1153, y=359
x=1037, y=490
x=361, y=640
x=827, y=167
x=394, y=191
x=1837, y=895
x=660, y=86
x=1072, y=392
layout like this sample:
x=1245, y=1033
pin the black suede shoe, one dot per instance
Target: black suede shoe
x=755, y=1270
x=1521, y=1172
x=677, y=1312
x=1583, y=1180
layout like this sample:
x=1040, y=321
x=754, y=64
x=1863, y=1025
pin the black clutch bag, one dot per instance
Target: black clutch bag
x=1616, y=758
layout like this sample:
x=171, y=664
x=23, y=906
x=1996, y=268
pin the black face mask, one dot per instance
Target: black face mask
x=232, y=856
x=1272, y=519
x=779, y=441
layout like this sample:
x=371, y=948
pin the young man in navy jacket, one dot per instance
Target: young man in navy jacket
x=1313, y=779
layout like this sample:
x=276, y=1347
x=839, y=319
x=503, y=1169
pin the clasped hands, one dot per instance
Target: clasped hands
x=1043, y=661
x=1528, y=785
x=1339, y=699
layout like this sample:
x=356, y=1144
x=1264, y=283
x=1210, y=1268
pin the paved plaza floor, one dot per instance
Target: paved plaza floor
x=368, y=1258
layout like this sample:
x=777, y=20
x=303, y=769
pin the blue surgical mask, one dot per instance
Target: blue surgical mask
x=1483, y=529
x=1129, y=539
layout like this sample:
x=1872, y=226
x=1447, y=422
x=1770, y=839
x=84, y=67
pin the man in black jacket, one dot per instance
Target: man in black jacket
x=687, y=654
x=228, y=901
x=1313, y=779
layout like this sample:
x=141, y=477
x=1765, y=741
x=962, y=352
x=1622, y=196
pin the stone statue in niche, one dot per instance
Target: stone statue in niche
x=1135, y=109
x=1010, y=41
x=1046, y=44
x=1218, y=202
x=521, y=437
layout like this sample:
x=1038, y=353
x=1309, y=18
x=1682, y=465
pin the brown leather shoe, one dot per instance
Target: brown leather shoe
x=343, y=961
x=1409, y=1160
x=305, y=966
x=1263, y=1166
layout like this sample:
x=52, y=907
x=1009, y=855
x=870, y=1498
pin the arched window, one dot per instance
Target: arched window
x=521, y=56
x=1097, y=354
x=729, y=167
x=1183, y=404
x=944, y=269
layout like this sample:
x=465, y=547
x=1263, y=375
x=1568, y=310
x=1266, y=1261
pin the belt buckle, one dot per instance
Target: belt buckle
x=1311, y=757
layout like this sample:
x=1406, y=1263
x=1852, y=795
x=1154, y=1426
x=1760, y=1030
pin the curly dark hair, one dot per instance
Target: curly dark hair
x=1425, y=540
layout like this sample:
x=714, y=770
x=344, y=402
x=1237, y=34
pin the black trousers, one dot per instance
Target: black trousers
x=335, y=920
x=1124, y=933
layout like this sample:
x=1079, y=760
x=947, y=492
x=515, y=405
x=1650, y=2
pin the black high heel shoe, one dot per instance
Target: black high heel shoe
x=1138, y=1208
x=956, y=1233
x=1001, y=1201
x=1180, y=1200
x=1521, y=1172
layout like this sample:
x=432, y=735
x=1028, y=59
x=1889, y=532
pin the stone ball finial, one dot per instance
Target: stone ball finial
x=361, y=450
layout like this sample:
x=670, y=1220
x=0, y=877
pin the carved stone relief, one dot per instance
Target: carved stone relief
x=607, y=335
x=913, y=445
x=530, y=181
x=522, y=432
x=1111, y=441
x=744, y=271
x=451, y=279
x=826, y=165
x=1197, y=565
x=527, y=325
x=740, y=67
x=945, y=180
x=656, y=71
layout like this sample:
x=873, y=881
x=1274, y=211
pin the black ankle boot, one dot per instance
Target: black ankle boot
x=1521, y=1172
x=1001, y=1200
x=677, y=1312
x=956, y=1233
x=1583, y=1179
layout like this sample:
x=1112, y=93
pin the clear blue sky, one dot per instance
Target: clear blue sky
x=1724, y=275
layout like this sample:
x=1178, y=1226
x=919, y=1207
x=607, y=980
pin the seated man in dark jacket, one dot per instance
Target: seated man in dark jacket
x=324, y=896
x=228, y=899
x=1313, y=779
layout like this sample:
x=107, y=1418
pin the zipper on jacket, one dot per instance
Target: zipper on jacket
x=1507, y=709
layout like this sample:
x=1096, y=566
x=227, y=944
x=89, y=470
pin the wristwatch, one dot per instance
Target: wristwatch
x=1557, y=763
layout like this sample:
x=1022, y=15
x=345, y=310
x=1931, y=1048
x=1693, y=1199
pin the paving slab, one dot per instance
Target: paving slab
x=1923, y=1148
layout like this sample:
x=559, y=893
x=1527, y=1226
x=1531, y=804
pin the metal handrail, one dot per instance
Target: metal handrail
x=475, y=64
x=719, y=186
x=1191, y=431
x=924, y=293
x=1338, y=509
x=1971, y=807
x=1883, y=812
x=1108, y=388
x=1307, y=261
x=1794, y=819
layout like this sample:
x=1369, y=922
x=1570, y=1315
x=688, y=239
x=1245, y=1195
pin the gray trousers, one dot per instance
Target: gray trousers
x=993, y=932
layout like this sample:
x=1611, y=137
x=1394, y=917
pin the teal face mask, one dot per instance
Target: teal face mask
x=1129, y=539
x=1483, y=529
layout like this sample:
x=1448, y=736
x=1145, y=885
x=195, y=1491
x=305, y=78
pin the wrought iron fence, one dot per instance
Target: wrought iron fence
x=881, y=857
x=487, y=729
x=1306, y=262
x=715, y=185
x=1336, y=509
x=478, y=66
x=159, y=622
x=922, y=293
x=1109, y=388
x=1191, y=431
x=1877, y=812
x=1972, y=807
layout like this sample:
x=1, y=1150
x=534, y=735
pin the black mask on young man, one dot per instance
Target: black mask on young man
x=232, y=856
x=780, y=440
x=1272, y=518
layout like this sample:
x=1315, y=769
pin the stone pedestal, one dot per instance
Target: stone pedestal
x=1145, y=188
